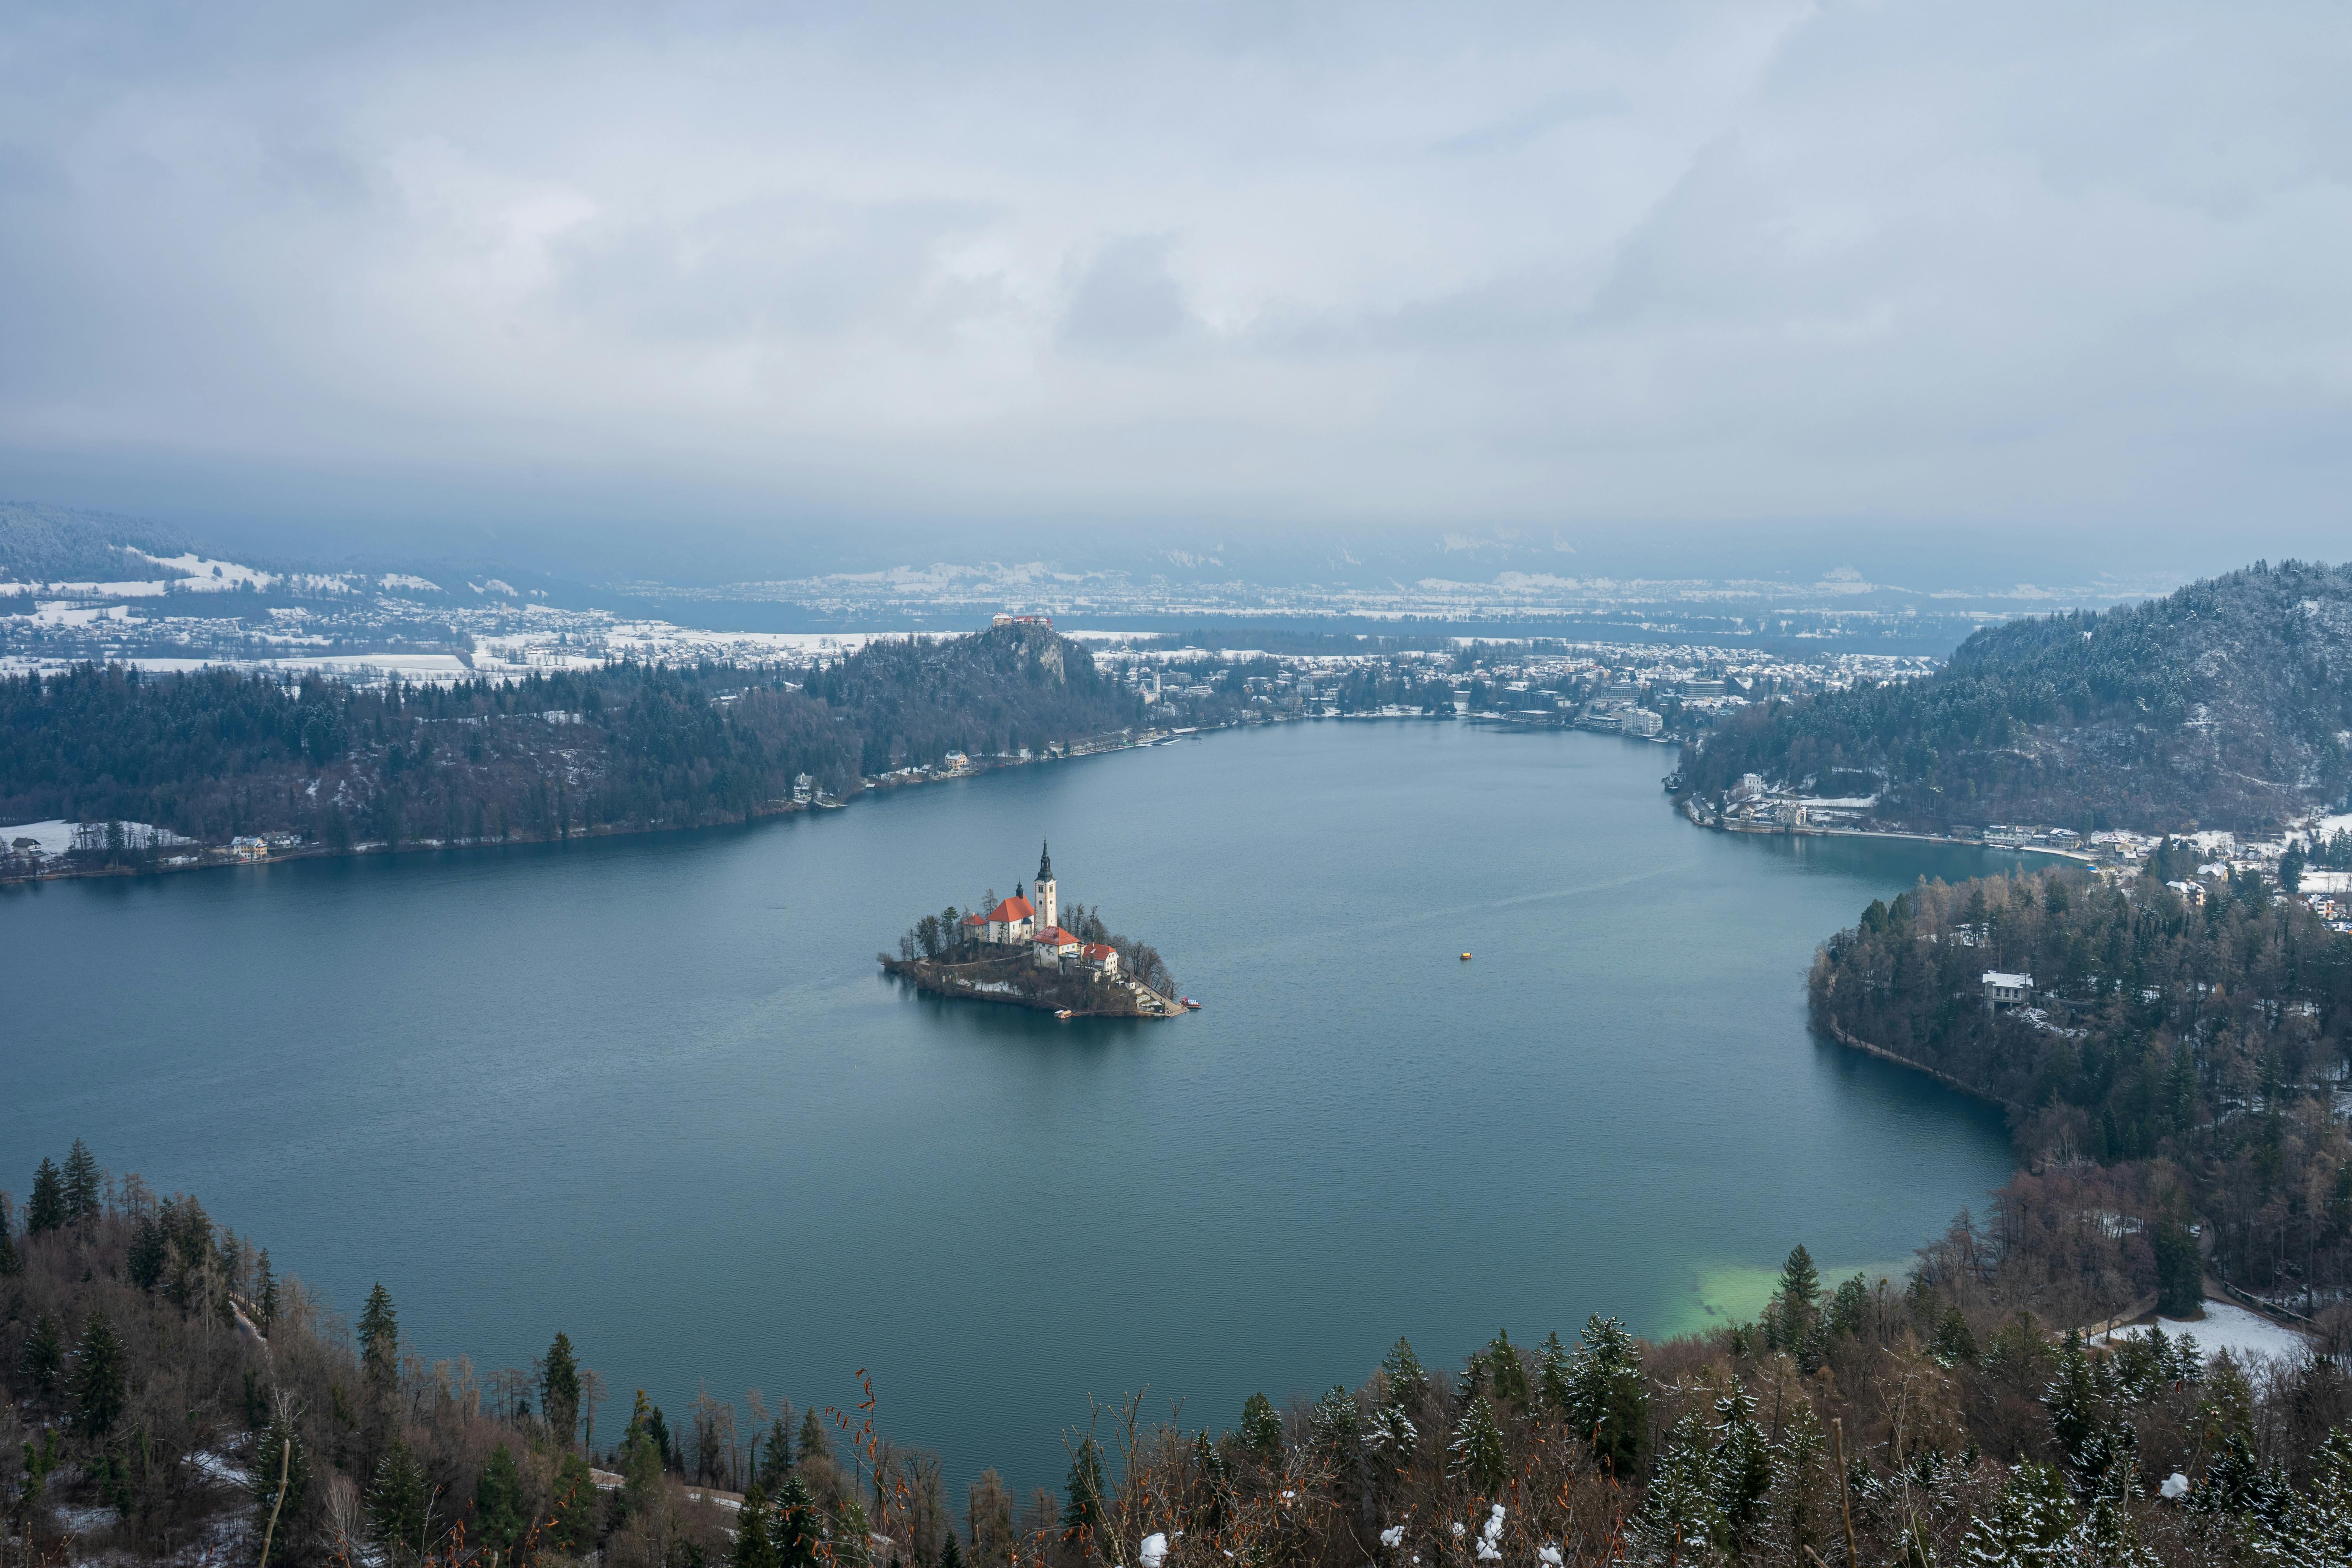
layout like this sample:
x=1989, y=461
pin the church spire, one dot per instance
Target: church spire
x=1044, y=862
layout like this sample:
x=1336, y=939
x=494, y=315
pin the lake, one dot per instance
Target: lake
x=653, y=1091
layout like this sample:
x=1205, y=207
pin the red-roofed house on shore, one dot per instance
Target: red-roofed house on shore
x=1100, y=957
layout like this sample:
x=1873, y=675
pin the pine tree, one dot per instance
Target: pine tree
x=755, y=1535
x=1338, y=1427
x=1956, y=1346
x=853, y=1534
x=271, y=1457
x=380, y=1341
x=817, y=1446
x=775, y=1453
x=2027, y=1527
x=950, y=1555
x=98, y=1377
x=84, y=1184
x=1608, y=1406
x=799, y=1539
x=558, y=1390
x=148, y=1252
x=641, y=1469
x=2076, y=1403
x=1082, y=1508
x=44, y=1356
x=1801, y=1506
x=2106, y=1538
x=1849, y=1310
x=1678, y=1521
x=2319, y=1525
x=266, y=1293
x=1261, y=1429
x=1507, y=1371
x=1742, y=1462
x=1551, y=1377
x=396, y=1503
x=46, y=1210
x=1801, y=1282
x=571, y=1521
x=497, y=1502
x=1476, y=1457
x=1406, y=1378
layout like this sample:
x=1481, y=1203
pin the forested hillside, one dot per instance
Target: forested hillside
x=51, y=544
x=2227, y=704
x=2195, y=1050
x=618, y=748
x=171, y=1394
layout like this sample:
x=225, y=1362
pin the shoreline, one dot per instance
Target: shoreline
x=207, y=858
x=936, y=979
x=1793, y=830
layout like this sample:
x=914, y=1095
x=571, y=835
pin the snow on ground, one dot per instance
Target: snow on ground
x=54, y=837
x=143, y=590
x=65, y=612
x=2227, y=1326
x=202, y=575
x=218, y=1468
x=2332, y=882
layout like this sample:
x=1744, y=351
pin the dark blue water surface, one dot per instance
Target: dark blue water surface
x=652, y=1091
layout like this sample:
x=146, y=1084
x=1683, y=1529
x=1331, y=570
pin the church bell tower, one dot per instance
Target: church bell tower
x=1041, y=895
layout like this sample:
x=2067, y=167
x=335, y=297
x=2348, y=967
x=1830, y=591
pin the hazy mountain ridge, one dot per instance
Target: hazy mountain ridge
x=2225, y=704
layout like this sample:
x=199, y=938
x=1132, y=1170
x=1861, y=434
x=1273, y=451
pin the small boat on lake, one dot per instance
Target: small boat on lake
x=1466, y=958
x=1189, y=1006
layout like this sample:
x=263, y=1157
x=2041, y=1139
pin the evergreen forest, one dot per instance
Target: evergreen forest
x=2225, y=705
x=619, y=748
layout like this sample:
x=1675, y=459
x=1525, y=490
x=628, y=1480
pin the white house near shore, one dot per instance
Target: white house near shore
x=2003, y=989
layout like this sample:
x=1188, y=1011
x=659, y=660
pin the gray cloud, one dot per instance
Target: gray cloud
x=1280, y=264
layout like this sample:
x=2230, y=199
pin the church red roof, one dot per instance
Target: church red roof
x=1054, y=936
x=1011, y=910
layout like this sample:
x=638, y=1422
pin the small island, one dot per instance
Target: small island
x=1027, y=951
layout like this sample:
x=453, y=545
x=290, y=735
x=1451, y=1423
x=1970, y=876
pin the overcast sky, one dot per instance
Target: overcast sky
x=1261, y=266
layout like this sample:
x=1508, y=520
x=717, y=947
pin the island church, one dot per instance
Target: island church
x=1031, y=921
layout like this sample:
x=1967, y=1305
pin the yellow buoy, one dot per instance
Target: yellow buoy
x=1466, y=958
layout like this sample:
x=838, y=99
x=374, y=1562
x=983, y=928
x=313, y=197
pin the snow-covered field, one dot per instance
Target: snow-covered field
x=2227, y=1326
x=55, y=836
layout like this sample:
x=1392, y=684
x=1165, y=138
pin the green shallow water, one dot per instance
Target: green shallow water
x=652, y=1091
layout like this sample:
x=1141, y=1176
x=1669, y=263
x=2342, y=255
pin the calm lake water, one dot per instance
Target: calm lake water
x=653, y=1092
